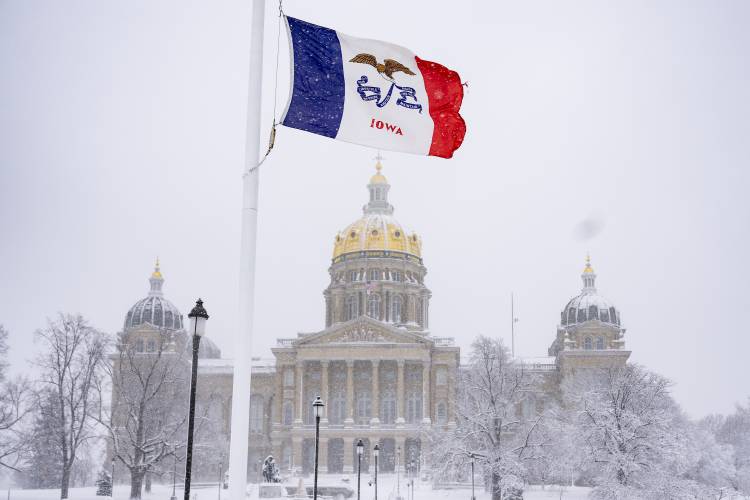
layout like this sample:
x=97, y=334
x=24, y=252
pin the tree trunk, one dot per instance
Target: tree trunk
x=136, y=483
x=148, y=482
x=65, y=482
x=497, y=493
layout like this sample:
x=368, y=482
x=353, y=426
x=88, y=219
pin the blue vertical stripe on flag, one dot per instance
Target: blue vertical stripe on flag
x=317, y=103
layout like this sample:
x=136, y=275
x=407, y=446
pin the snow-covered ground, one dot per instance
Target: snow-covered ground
x=386, y=491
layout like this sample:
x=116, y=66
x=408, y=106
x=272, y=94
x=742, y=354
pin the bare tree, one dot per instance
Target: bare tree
x=14, y=407
x=492, y=389
x=627, y=427
x=148, y=411
x=72, y=360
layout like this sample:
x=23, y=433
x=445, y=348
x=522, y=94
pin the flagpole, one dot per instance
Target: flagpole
x=238, y=444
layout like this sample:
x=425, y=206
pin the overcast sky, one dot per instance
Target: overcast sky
x=620, y=129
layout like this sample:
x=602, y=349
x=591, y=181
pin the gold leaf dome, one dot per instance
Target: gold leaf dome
x=377, y=230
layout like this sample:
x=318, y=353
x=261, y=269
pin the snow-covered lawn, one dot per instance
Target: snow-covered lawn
x=386, y=491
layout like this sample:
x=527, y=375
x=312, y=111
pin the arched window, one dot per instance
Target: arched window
x=288, y=413
x=587, y=343
x=604, y=315
x=364, y=407
x=414, y=407
x=388, y=406
x=396, y=306
x=375, y=275
x=441, y=413
x=139, y=345
x=593, y=312
x=350, y=308
x=353, y=275
x=613, y=316
x=168, y=322
x=256, y=413
x=600, y=343
x=396, y=276
x=373, y=305
x=581, y=315
x=571, y=315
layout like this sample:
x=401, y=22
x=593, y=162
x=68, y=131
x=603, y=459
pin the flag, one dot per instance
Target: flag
x=372, y=93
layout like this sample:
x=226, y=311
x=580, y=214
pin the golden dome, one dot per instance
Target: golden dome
x=378, y=178
x=376, y=232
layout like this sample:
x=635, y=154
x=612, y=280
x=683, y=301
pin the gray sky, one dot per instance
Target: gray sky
x=122, y=138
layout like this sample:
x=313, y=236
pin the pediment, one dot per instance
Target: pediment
x=363, y=330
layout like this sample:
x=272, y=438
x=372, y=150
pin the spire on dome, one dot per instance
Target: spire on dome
x=156, y=280
x=588, y=276
x=378, y=188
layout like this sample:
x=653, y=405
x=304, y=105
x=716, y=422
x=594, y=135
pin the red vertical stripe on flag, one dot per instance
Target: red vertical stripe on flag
x=445, y=93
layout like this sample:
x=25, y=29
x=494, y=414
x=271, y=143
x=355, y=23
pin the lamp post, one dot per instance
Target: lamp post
x=411, y=476
x=360, y=450
x=220, y=468
x=318, y=408
x=375, y=453
x=198, y=317
x=174, y=474
x=473, y=457
x=112, y=489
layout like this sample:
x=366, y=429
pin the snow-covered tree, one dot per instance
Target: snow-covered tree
x=630, y=432
x=14, y=407
x=72, y=360
x=492, y=388
x=734, y=431
x=149, y=399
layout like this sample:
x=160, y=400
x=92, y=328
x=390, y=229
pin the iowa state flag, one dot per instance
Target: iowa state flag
x=372, y=93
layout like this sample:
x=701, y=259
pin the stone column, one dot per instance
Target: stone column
x=300, y=392
x=324, y=391
x=400, y=394
x=297, y=454
x=375, y=420
x=426, y=408
x=349, y=455
x=323, y=455
x=349, y=421
x=278, y=401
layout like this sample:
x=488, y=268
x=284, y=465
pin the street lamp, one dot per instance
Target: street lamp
x=360, y=450
x=375, y=453
x=174, y=473
x=112, y=489
x=398, y=474
x=412, y=470
x=318, y=408
x=198, y=317
x=473, y=457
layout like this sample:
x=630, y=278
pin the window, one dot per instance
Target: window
x=151, y=346
x=256, y=413
x=353, y=275
x=396, y=305
x=388, y=406
x=364, y=407
x=337, y=412
x=604, y=316
x=593, y=312
x=600, y=343
x=139, y=345
x=441, y=413
x=613, y=316
x=375, y=275
x=414, y=407
x=288, y=413
x=350, y=308
x=587, y=343
x=397, y=276
x=373, y=306
x=581, y=315
x=441, y=375
x=571, y=315
x=289, y=377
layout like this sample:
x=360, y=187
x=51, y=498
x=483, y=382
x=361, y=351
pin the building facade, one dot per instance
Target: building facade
x=381, y=374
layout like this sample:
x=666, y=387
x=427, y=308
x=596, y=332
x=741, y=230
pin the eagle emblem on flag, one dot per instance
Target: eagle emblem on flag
x=386, y=69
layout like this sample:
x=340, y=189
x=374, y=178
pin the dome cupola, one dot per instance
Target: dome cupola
x=377, y=230
x=154, y=310
x=589, y=305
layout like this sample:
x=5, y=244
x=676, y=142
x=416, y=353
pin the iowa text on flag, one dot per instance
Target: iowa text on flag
x=372, y=93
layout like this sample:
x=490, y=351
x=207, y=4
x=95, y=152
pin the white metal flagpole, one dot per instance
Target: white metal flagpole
x=238, y=443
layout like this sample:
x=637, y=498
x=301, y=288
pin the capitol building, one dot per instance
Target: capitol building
x=383, y=376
